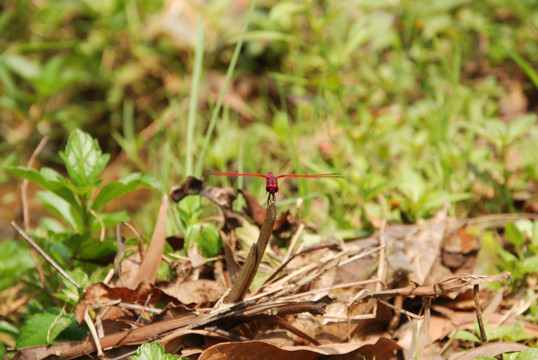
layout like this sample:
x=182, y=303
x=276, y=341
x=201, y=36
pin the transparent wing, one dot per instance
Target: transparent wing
x=224, y=173
x=310, y=176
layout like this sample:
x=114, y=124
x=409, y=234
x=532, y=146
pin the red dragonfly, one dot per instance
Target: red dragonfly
x=272, y=180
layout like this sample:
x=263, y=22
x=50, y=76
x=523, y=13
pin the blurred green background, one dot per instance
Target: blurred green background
x=414, y=102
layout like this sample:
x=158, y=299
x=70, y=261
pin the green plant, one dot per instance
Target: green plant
x=49, y=326
x=522, y=259
x=153, y=351
x=520, y=254
x=78, y=200
x=70, y=198
x=512, y=333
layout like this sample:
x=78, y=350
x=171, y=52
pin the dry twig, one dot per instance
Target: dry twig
x=43, y=253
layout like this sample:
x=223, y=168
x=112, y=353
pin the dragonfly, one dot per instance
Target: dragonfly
x=272, y=179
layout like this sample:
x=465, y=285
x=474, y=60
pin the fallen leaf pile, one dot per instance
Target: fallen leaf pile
x=396, y=294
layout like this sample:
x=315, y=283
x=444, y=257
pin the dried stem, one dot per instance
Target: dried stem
x=24, y=186
x=26, y=216
x=476, y=291
x=93, y=333
x=44, y=254
x=254, y=258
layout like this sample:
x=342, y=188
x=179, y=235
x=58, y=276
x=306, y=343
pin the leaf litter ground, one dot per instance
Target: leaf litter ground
x=396, y=294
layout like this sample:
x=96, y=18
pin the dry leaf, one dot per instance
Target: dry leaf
x=149, y=267
x=424, y=247
x=259, y=350
x=99, y=294
x=195, y=292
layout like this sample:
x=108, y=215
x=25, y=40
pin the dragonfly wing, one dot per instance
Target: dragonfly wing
x=234, y=174
x=310, y=176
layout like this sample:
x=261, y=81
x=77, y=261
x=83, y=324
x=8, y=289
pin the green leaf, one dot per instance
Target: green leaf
x=109, y=220
x=508, y=258
x=525, y=66
x=129, y=183
x=48, y=179
x=70, y=293
x=206, y=237
x=93, y=248
x=530, y=265
x=520, y=126
x=61, y=208
x=83, y=160
x=22, y=66
x=8, y=328
x=190, y=211
x=529, y=354
x=464, y=335
x=513, y=234
x=14, y=260
x=56, y=76
x=508, y=333
x=44, y=328
x=44, y=178
x=152, y=351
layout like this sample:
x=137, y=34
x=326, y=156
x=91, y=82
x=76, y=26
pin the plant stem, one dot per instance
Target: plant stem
x=254, y=258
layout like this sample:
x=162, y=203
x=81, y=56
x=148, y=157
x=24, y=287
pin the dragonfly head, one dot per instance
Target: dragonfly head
x=272, y=184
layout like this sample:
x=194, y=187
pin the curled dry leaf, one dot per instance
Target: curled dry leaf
x=222, y=197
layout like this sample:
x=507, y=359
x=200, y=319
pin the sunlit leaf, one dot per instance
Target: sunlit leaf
x=44, y=328
x=520, y=126
x=48, y=179
x=514, y=235
x=530, y=265
x=83, y=160
x=206, y=237
x=61, y=208
x=464, y=335
x=152, y=351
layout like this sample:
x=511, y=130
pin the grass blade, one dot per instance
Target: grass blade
x=229, y=73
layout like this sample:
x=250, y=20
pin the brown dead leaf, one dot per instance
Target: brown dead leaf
x=515, y=102
x=424, y=247
x=254, y=350
x=149, y=267
x=255, y=210
x=99, y=294
x=195, y=292
x=460, y=247
x=260, y=350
